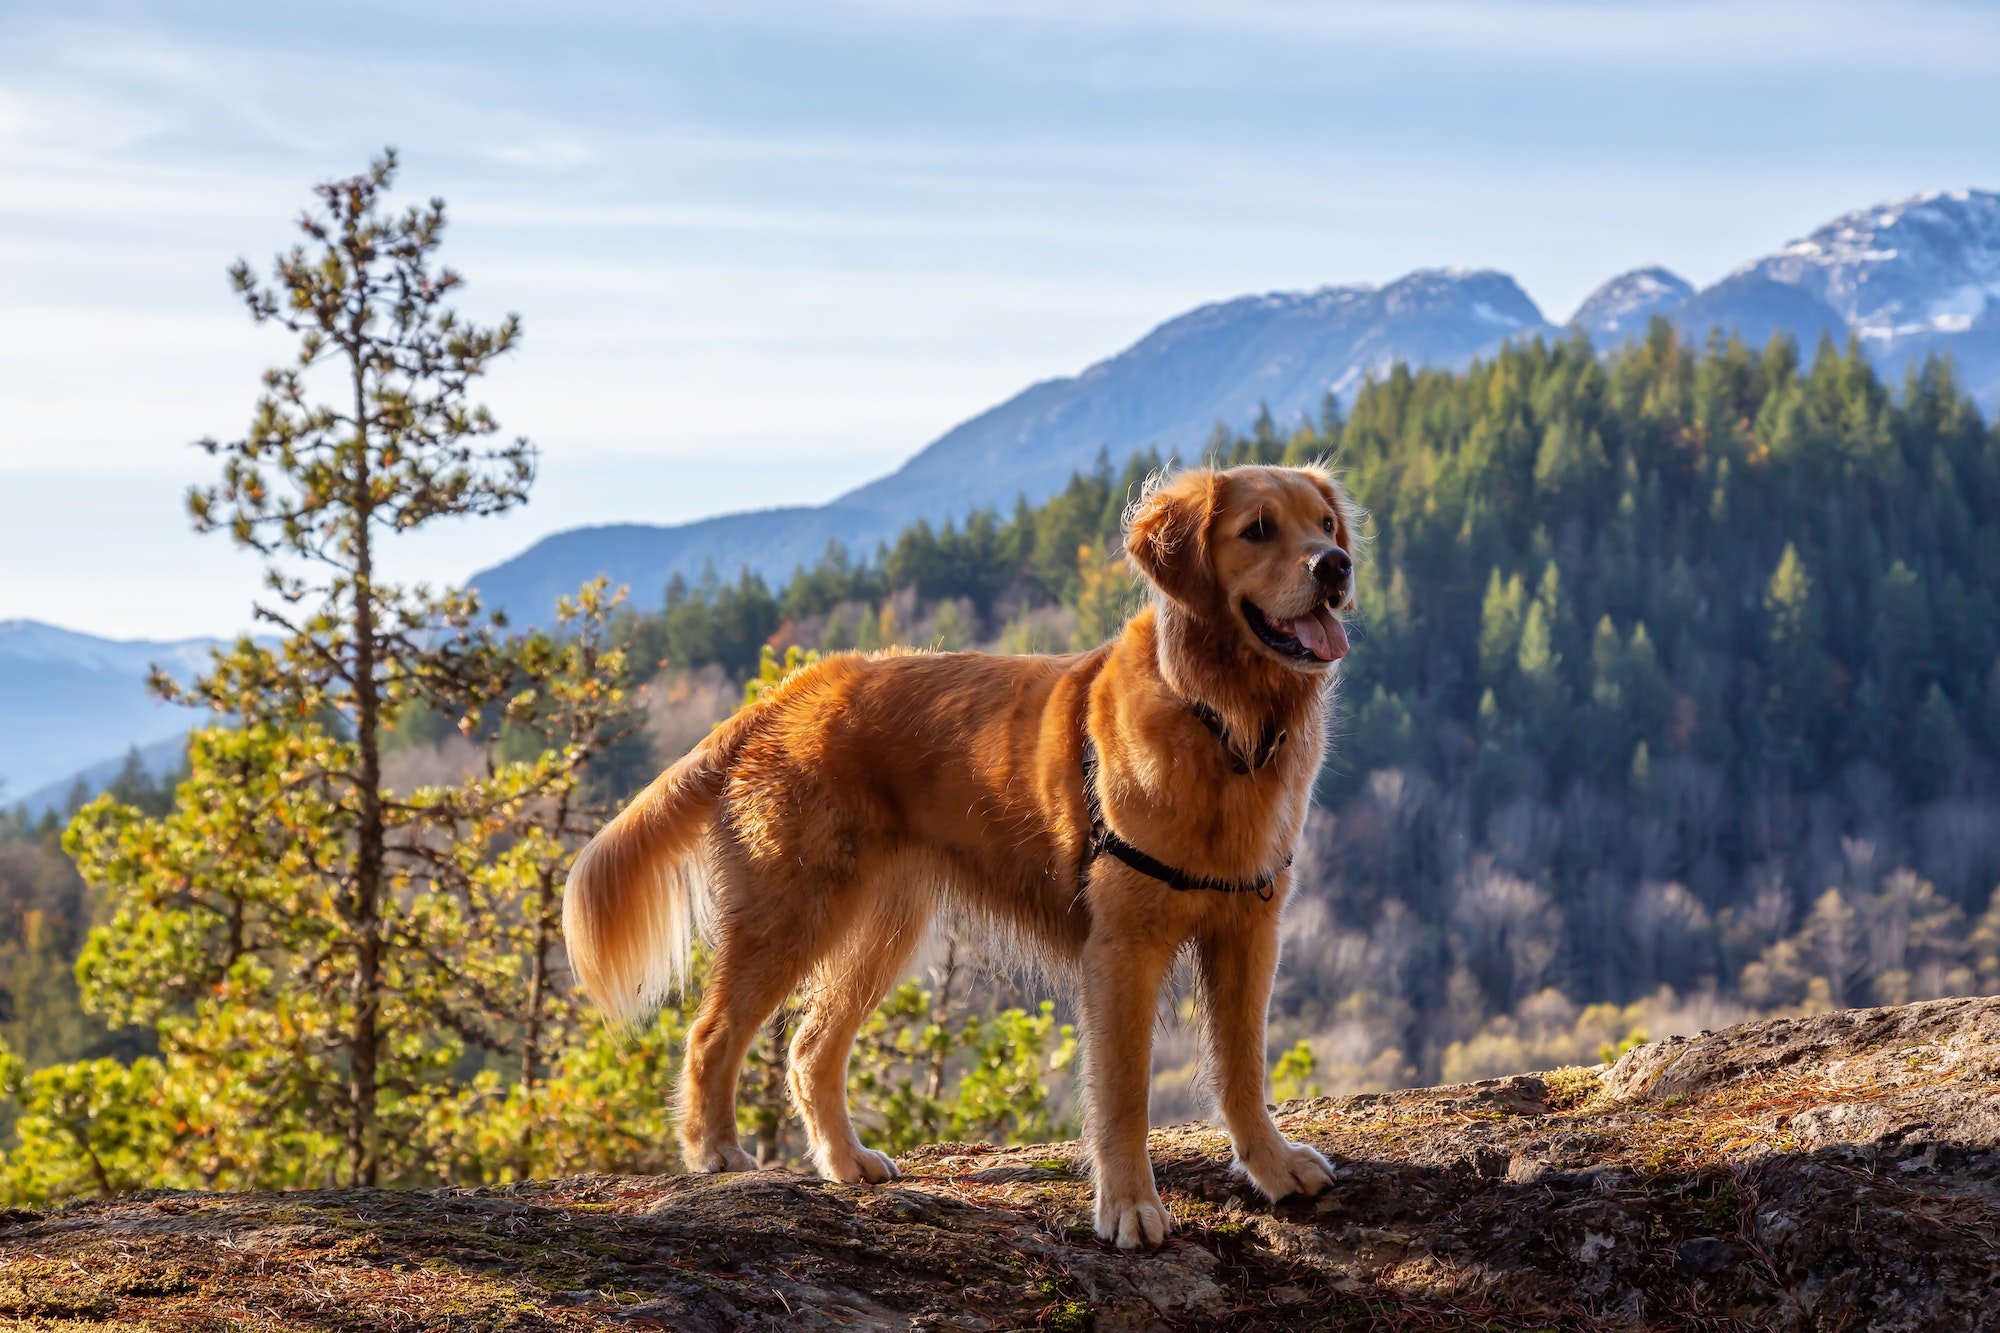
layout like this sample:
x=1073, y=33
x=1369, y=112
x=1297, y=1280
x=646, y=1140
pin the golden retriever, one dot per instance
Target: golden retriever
x=813, y=837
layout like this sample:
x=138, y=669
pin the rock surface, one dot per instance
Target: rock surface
x=1834, y=1172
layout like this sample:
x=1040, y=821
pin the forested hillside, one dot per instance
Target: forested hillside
x=1678, y=671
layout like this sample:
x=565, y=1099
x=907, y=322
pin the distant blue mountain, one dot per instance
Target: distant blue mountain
x=644, y=557
x=1621, y=309
x=1220, y=363
x=156, y=760
x=1757, y=306
x=69, y=700
x=1909, y=279
x=1750, y=304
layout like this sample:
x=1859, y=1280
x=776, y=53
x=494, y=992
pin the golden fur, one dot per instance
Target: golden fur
x=814, y=836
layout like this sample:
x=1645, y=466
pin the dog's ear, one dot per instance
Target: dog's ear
x=1166, y=535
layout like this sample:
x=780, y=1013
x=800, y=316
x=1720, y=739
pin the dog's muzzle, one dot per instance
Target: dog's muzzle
x=1333, y=574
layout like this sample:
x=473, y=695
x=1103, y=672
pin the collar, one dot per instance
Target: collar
x=1267, y=746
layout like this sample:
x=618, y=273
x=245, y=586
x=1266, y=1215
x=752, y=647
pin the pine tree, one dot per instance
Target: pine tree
x=298, y=862
x=1500, y=620
x=1796, y=669
x=1936, y=746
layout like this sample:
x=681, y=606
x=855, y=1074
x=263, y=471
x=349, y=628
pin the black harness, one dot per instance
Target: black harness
x=1104, y=839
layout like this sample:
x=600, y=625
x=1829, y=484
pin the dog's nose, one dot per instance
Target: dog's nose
x=1332, y=570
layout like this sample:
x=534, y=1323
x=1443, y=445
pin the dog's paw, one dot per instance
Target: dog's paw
x=1133, y=1223
x=864, y=1166
x=712, y=1161
x=1290, y=1168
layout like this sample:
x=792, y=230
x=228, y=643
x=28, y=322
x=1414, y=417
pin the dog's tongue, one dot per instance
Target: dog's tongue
x=1322, y=633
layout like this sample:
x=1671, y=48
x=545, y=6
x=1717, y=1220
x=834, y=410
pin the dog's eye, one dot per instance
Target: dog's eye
x=1260, y=531
x=1326, y=525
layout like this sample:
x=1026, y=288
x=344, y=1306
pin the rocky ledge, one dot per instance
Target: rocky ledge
x=1834, y=1172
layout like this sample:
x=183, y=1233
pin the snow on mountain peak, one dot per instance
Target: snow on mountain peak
x=1929, y=263
x=1620, y=308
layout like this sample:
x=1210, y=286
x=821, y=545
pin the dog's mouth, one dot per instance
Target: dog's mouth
x=1315, y=637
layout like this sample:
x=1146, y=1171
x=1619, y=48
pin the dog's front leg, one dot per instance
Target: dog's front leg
x=1122, y=972
x=1234, y=966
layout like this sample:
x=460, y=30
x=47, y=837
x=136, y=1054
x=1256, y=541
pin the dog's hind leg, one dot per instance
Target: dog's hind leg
x=849, y=982
x=762, y=953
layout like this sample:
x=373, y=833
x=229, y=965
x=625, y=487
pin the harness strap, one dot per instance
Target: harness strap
x=1104, y=839
x=1267, y=747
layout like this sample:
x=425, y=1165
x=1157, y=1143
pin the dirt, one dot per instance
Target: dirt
x=1840, y=1172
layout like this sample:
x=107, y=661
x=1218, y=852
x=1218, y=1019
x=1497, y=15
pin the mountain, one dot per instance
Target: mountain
x=1929, y=264
x=1757, y=306
x=69, y=700
x=156, y=760
x=1223, y=362
x=1621, y=308
x=1218, y=363
x=644, y=556
x=1910, y=278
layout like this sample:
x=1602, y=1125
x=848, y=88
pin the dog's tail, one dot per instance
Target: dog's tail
x=638, y=894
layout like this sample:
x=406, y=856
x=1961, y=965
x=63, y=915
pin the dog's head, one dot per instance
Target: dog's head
x=1264, y=548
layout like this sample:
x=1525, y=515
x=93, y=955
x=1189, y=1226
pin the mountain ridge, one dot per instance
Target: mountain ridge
x=1220, y=362
x=69, y=700
x=1909, y=278
x=1346, y=326
x=1621, y=307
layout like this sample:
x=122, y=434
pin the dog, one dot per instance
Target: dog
x=1104, y=810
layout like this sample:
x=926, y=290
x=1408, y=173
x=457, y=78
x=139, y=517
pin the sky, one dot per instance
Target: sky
x=763, y=253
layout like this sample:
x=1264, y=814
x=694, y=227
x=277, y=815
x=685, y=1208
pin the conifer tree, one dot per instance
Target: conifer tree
x=283, y=924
